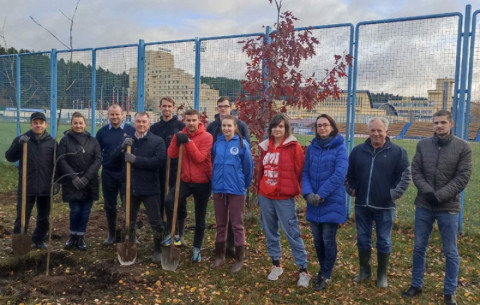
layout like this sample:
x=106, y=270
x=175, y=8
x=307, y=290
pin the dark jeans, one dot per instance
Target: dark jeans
x=325, y=240
x=43, y=212
x=201, y=195
x=111, y=187
x=171, y=183
x=383, y=218
x=79, y=215
x=153, y=211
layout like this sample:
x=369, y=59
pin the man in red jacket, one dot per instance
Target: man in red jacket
x=195, y=177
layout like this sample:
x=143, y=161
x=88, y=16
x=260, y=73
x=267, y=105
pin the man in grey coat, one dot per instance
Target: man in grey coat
x=441, y=169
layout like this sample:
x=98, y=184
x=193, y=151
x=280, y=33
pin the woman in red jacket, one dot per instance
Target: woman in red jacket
x=280, y=174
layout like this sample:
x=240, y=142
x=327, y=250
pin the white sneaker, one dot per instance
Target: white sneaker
x=304, y=279
x=275, y=272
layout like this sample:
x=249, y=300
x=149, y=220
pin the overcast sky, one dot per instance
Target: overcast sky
x=101, y=23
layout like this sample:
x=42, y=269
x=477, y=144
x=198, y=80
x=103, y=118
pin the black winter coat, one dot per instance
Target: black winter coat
x=40, y=153
x=79, y=155
x=149, y=154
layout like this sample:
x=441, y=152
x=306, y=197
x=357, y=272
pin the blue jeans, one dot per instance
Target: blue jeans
x=79, y=214
x=383, y=218
x=324, y=237
x=282, y=211
x=448, y=227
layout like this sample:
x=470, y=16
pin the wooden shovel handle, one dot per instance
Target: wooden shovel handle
x=127, y=194
x=24, y=187
x=167, y=182
x=177, y=192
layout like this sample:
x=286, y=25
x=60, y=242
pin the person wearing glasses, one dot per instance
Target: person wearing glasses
x=326, y=164
x=224, y=107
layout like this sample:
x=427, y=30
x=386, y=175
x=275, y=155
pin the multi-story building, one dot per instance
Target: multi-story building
x=162, y=78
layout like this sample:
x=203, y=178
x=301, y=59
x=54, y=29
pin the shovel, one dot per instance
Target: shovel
x=21, y=242
x=127, y=251
x=171, y=255
x=167, y=181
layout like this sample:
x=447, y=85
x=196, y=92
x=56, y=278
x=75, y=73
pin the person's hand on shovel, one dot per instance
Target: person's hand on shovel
x=23, y=139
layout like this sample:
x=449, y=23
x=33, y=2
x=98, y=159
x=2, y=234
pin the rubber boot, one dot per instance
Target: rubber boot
x=111, y=223
x=382, y=269
x=239, y=255
x=219, y=255
x=365, y=258
x=230, y=241
x=157, y=247
x=181, y=231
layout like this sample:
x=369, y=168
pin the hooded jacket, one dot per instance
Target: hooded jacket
x=40, y=151
x=289, y=158
x=324, y=174
x=197, y=155
x=232, y=166
x=443, y=167
x=79, y=155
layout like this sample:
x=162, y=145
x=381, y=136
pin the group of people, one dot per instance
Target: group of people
x=218, y=160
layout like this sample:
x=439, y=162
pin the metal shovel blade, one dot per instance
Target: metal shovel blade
x=170, y=258
x=21, y=243
x=127, y=253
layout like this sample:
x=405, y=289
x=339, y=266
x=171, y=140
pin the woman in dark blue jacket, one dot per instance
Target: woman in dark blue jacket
x=326, y=165
x=232, y=174
x=79, y=159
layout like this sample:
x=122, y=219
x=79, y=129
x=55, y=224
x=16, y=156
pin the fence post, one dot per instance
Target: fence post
x=141, y=76
x=94, y=90
x=17, y=93
x=196, y=96
x=53, y=93
x=461, y=109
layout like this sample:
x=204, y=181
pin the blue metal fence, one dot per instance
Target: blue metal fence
x=424, y=63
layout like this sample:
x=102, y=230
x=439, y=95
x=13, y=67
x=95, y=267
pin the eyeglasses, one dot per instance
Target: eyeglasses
x=323, y=125
x=223, y=106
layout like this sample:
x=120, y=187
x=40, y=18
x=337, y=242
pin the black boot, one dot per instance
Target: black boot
x=219, y=255
x=71, y=242
x=382, y=259
x=230, y=241
x=132, y=237
x=81, y=244
x=157, y=247
x=365, y=259
x=112, y=223
x=239, y=256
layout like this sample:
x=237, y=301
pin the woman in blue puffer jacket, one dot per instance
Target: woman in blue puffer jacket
x=232, y=174
x=326, y=165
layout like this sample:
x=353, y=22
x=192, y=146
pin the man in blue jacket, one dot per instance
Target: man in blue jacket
x=378, y=174
x=147, y=156
x=110, y=137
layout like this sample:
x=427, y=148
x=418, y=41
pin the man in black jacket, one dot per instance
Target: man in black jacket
x=147, y=156
x=441, y=169
x=224, y=107
x=40, y=154
x=169, y=125
x=378, y=174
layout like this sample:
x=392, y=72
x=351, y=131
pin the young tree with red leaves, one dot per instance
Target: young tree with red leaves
x=274, y=80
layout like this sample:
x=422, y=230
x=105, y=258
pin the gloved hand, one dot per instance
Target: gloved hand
x=181, y=138
x=314, y=199
x=23, y=139
x=56, y=188
x=80, y=183
x=430, y=196
x=130, y=158
x=127, y=141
